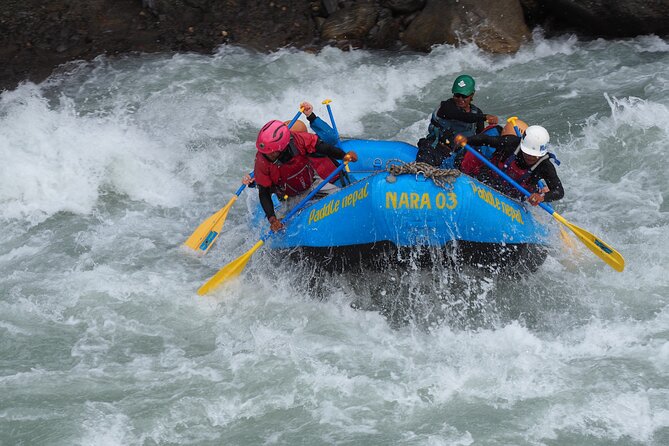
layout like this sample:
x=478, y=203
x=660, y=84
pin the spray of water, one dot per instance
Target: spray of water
x=109, y=165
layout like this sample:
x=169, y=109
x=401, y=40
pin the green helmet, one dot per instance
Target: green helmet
x=464, y=84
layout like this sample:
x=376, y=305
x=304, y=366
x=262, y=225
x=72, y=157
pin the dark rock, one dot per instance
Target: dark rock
x=330, y=6
x=403, y=6
x=431, y=26
x=385, y=34
x=350, y=23
x=119, y=26
x=36, y=36
x=601, y=18
x=497, y=27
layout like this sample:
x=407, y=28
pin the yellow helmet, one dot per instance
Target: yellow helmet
x=509, y=130
x=299, y=126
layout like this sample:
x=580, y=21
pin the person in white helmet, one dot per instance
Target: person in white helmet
x=525, y=159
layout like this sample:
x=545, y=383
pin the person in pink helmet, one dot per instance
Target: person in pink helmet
x=282, y=166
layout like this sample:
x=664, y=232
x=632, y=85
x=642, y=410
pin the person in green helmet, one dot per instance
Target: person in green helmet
x=456, y=115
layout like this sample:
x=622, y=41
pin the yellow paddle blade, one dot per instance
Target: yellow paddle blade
x=567, y=241
x=595, y=244
x=209, y=229
x=229, y=271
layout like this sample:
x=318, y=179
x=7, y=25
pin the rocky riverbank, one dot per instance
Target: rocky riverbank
x=37, y=36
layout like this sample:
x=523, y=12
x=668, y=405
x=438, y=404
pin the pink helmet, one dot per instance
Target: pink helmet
x=273, y=137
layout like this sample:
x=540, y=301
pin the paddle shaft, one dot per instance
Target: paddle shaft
x=295, y=118
x=311, y=194
x=332, y=121
x=241, y=188
x=510, y=180
x=334, y=126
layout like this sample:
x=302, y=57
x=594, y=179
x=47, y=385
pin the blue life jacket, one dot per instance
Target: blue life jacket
x=487, y=151
x=451, y=127
x=449, y=163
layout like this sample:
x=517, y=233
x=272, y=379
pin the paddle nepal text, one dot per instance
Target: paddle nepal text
x=487, y=196
x=334, y=206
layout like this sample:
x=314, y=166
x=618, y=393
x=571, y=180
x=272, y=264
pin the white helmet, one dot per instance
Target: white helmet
x=535, y=141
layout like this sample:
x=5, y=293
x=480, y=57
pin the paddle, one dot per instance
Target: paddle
x=594, y=243
x=331, y=135
x=206, y=234
x=334, y=126
x=234, y=268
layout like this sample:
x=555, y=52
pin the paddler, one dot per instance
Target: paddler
x=282, y=166
x=525, y=159
x=456, y=115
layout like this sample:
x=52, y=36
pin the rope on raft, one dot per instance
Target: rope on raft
x=443, y=178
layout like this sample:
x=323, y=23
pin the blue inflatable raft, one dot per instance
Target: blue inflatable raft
x=382, y=218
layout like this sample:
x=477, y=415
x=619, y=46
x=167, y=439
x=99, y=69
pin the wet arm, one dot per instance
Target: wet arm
x=265, y=196
x=553, y=182
x=507, y=143
x=329, y=150
x=484, y=140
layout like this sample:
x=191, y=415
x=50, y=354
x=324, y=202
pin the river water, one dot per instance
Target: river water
x=109, y=165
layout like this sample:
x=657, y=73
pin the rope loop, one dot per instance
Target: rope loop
x=443, y=178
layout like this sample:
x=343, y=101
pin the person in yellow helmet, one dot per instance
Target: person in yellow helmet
x=470, y=164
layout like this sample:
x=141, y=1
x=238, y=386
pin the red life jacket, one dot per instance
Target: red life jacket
x=471, y=165
x=521, y=175
x=324, y=166
x=296, y=175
